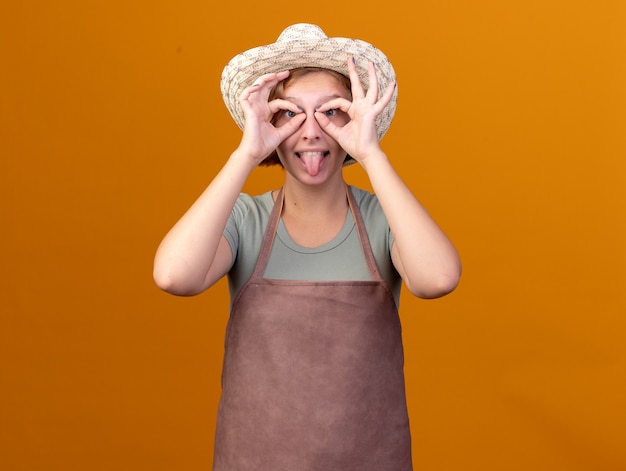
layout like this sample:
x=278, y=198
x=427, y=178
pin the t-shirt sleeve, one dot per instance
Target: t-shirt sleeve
x=375, y=221
x=235, y=221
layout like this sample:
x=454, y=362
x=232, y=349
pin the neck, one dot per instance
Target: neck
x=314, y=215
x=313, y=200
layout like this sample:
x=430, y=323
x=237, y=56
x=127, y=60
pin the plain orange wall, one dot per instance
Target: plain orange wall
x=510, y=128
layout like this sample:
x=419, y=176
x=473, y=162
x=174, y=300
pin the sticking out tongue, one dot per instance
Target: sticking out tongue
x=312, y=162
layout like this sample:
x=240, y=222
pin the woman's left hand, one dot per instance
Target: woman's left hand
x=358, y=137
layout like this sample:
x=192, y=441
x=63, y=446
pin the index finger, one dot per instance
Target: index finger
x=265, y=83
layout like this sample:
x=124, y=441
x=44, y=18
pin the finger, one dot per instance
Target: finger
x=270, y=79
x=279, y=104
x=355, y=81
x=335, y=104
x=264, y=83
x=291, y=126
x=388, y=95
x=372, y=91
x=327, y=125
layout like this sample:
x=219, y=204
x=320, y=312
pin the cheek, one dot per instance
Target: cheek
x=283, y=147
x=288, y=141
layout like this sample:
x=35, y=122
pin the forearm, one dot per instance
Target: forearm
x=423, y=254
x=186, y=254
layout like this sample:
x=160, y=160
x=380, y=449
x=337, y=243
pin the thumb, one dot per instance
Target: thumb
x=290, y=126
x=327, y=125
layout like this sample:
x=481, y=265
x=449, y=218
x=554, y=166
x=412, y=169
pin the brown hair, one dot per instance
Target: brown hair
x=278, y=91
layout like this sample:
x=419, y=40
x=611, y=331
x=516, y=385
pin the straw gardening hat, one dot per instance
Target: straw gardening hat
x=306, y=45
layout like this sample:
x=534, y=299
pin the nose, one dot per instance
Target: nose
x=311, y=129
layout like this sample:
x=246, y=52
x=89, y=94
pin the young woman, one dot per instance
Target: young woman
x=313, y=366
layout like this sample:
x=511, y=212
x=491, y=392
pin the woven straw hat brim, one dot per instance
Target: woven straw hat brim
x=324, y=52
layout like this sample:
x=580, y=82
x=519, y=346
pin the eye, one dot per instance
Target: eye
x=330, y=113
x=290, y=114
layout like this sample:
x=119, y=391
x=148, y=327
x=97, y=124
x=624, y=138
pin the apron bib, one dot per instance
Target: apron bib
x=313, y=373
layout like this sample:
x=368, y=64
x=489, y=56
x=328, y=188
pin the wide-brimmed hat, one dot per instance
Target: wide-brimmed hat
x=306, y=45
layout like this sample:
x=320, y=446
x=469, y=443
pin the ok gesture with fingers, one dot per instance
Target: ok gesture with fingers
x=359, y=136
x=260, y=136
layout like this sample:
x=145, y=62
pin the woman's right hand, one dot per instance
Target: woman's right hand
x=260, y=137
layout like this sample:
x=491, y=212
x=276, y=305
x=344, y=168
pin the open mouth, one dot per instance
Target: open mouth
x=312, y=160
x=306, y=154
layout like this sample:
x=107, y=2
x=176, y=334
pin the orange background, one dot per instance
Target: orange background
x=510, y=128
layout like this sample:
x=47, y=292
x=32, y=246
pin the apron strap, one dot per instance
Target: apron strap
x=272, y=225
x=268, y=237
x=365, y=241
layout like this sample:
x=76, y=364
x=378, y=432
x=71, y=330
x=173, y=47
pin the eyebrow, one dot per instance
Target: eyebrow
x=323, y=99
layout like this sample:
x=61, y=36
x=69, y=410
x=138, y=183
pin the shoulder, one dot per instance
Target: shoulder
x=373, y=216
x=251, y=210
x=368, y=204
x=248, y=218
x=379, y=235
x=247, y=205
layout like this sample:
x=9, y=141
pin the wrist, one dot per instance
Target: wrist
x=245, y=155
x=373, y=160
x=243, y=160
